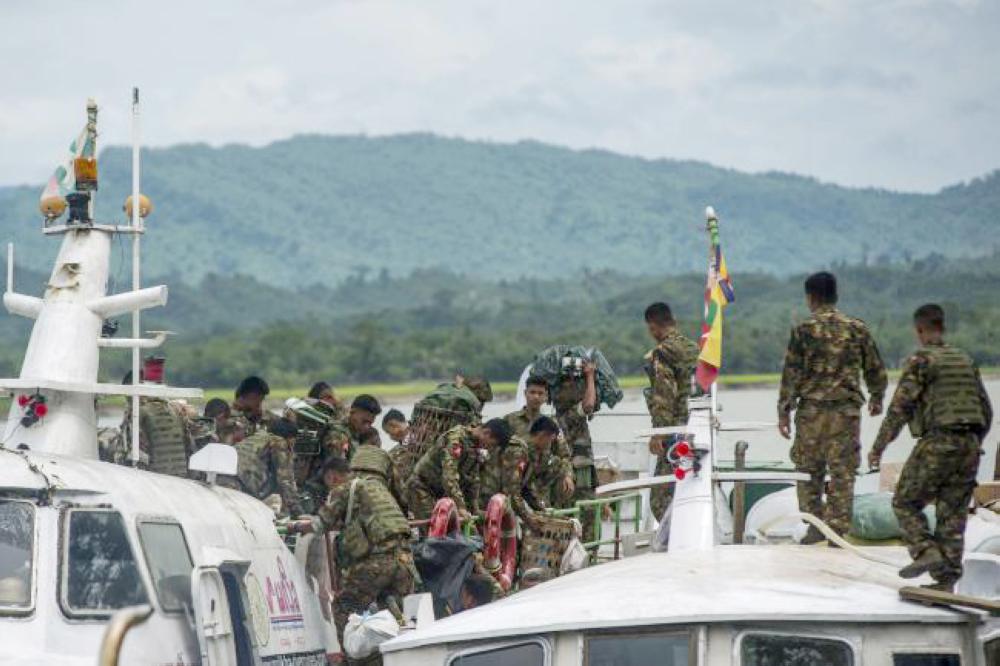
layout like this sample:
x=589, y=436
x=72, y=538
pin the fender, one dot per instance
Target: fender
x=444, y=519
x=500, y=541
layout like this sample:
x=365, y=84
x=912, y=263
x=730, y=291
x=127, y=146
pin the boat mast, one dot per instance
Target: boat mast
x=136, y=223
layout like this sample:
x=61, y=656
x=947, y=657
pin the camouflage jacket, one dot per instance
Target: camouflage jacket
x=374, y=513
x=669, y=367
x=826, y=355
x=520, y=425
x=451, y=466
x=265, y=468
x=545, y=472
x=404, y=458
x=504, y=472
x=167, y=424
x=911, y=394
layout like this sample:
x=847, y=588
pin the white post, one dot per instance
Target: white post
x=136, y=277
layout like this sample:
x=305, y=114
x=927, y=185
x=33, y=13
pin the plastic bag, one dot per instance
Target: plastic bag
x=873, y=518
x=364, y=633
x=661, y=540
x=575, y=557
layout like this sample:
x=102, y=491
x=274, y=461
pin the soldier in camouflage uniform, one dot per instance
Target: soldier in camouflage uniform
x=669, y=367
x=374, y=540
x=504, y=471
x=403, y=455
x=265, y=465
x=346, y=436
x=480, y=387
x=548, y=474
x=451, y=468
x=942, y=397
x=247, y=413
x=322, y=396
x=826, y=354
x=164, y=436
x=575, y=400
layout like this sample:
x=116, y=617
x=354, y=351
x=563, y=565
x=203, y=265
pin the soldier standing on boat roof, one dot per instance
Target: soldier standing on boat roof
x=374, y=541
x=820, y=382
x=480, y=387
x=344, y=437
x=942, y=397
x=669, y=367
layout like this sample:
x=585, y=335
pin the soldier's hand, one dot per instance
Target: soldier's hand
x=568, y=486
x=874, y=407
x=656, y=446
x=785, y=426
x=464, y=516
x=874, y=460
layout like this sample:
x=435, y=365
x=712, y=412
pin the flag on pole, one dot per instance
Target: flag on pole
x=718, y=294
x=63, y=179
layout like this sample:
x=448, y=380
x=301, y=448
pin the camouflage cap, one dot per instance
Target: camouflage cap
x=480, y=387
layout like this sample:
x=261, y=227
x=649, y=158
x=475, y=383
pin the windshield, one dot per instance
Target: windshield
x=100, y=569
x=169, y=563
x=17, y=543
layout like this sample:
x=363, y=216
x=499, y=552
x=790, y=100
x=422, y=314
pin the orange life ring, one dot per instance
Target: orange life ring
x=500, y=541
x=444, y=519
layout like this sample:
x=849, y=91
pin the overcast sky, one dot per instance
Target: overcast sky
x=902, y=94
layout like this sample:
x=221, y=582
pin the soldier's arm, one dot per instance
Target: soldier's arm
x=331, y=515
x=284, y=471
x=790, y=375
x=904, y=402
x=664, y=396
x=512, y=483
x=450, y=477
x=876, y=378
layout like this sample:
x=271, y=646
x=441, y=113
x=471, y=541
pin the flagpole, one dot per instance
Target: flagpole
x=136, y=277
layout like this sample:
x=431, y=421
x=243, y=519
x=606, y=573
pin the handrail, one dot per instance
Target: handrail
x=120, y=624
x=598, y=504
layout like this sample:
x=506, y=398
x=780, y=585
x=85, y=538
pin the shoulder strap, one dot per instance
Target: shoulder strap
x=350, y=501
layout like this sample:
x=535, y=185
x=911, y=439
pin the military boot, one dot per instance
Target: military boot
x=812, y=536
x=929, y=560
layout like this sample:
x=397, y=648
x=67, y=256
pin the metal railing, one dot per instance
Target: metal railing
x=597, y=505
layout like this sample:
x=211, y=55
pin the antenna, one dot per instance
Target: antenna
x=136, y=223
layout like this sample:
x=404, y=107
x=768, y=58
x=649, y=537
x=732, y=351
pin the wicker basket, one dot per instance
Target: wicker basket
x=428, y=423
x=544, y=549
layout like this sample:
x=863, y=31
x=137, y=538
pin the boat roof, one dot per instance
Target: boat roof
x=724, y=584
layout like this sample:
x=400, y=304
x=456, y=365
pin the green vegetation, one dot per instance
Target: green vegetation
x=321, y=209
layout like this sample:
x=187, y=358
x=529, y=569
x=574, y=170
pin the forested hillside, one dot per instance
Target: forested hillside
x=430, y=323
x=320, y=209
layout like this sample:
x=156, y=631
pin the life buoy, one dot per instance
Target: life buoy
x=444, y=519
x=500, y=541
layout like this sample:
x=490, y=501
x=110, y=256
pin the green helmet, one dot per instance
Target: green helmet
x=370, y=458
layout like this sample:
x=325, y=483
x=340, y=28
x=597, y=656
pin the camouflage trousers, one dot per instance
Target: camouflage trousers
x=941, y=470
x=661, y=496
x=373, y=580
x=827, y=439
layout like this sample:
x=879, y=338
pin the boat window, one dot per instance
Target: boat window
x=17, y=543
x=99, y=568
x=532, y=653
x=639, y=649
x=915, y=659
x=767, y=649
x=169, y=563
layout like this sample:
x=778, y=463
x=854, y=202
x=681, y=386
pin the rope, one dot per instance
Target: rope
x=832, y=536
